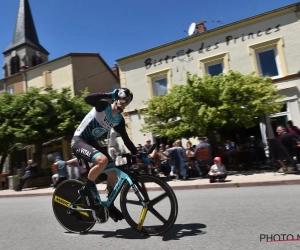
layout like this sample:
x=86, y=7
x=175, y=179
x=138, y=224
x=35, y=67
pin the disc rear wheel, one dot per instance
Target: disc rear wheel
x=65, y=194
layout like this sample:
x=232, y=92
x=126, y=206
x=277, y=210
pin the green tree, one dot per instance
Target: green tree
x=40, y=116
x=8, y=143
x=207, y=104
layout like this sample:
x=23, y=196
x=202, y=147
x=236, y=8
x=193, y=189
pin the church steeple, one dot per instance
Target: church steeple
x=25, y=50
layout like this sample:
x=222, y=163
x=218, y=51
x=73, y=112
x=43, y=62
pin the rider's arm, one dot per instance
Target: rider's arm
x=121, y=129
x=97, y=100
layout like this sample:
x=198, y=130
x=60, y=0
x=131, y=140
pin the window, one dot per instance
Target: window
x=215, y=65
x=10, y=89
x=15, y=65
x=280, y=118
x=36, y=60
x=160, y=86
x=33, y=61
x=215, y=69
x=268, y=58
x=159, y=82
x=47, y=81
x=268, y=62
x=5, y=71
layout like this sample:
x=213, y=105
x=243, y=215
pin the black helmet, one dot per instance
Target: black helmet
x=125, y=94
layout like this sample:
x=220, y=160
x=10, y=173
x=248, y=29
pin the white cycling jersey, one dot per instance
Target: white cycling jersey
x=96, y=123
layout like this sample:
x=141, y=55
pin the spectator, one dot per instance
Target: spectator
x=147, y=146
x=30, y=172
x=189, y=149
x=75, y=171
x=177, y=160
x=142, y=166
x=293, y=130
x=204, y=157
x=287, y=140
x=62, y=171
x=191, y=156
x=178, y=142
x=162, y=148
x=217, y=171
x=185, y=157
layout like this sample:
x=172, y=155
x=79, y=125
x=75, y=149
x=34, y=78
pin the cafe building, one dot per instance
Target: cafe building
x=267, y=44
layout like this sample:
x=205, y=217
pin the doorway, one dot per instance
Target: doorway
x=280, y=118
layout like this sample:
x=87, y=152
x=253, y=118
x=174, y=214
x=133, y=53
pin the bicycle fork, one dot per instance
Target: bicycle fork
x=144, y=210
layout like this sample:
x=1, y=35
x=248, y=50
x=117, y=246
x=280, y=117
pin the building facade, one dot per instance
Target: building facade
x=75, y=70
x=26, y=65
x=266, y=44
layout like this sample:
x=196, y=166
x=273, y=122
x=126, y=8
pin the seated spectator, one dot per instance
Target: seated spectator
x=62, y=173
x=30, y=172
x=142, y=166
x=177, y=160
x=162, y=148
x=189, y=149
x=217, y=171
x=190, y=154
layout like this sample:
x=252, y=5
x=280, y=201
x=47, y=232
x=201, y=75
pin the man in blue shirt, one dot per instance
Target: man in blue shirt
x=203, y=154
x=62, y=173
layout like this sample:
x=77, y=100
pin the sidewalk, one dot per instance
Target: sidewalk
x=238, y=180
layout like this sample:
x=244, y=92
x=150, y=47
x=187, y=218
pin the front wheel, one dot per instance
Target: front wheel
x=162, y=206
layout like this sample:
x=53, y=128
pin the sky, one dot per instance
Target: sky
x=119, y=28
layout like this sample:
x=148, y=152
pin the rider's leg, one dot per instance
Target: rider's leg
x=100, y=163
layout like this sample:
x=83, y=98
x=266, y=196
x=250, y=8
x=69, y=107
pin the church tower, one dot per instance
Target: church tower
x=25, y=50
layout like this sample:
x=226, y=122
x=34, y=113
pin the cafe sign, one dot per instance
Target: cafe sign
x=181, y=54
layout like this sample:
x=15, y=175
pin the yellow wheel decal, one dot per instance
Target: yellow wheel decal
x=67, y=204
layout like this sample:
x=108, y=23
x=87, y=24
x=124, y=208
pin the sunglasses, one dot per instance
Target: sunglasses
x=122, y=100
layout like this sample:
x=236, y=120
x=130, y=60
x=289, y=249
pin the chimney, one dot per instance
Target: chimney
x=115, y=69
x=200, y=27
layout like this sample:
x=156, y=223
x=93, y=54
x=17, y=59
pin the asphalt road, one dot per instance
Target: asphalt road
x=229, y=218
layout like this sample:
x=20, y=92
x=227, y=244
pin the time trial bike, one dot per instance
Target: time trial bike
x=76, y=217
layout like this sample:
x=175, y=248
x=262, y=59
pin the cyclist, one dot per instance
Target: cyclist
x=102, y=117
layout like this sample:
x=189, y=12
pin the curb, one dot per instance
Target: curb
x=231, y=185
x=187, y=187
